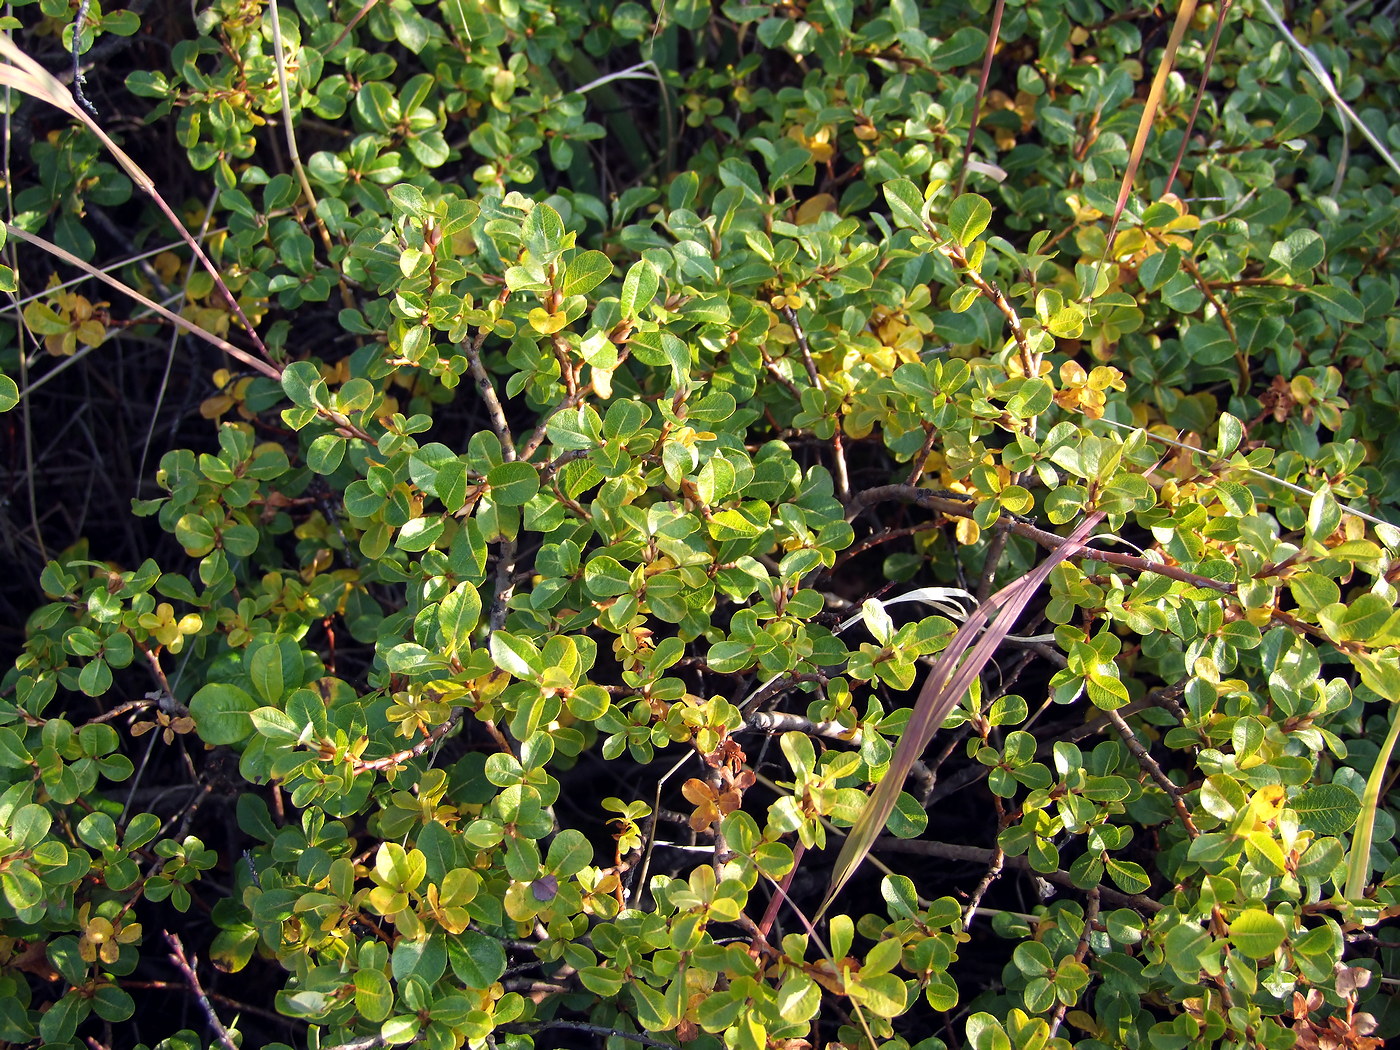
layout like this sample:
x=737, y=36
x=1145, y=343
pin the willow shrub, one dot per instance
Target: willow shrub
x=601, y=401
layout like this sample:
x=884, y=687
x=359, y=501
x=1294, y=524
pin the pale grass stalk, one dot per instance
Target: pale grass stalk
x=256, y=363
x=1319, y=71
x=945, y=685
x=25, y=75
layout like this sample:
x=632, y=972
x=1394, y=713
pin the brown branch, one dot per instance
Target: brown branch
x=922, y=455
x=1151, y=768
x=399, y=757
x=487, y=389
x=536, y=439
x=1049, y=540
x=1091, y=916
x=505, y=571
x=994, y=295
x=158, y=673
x=777, y=374
x=581, y=1026
x=981, y=855
x=992, y=37
x=839, y=471
x=993, y=872
x=781, y=722
x=874, y=540
x=186, y=967
x=123, y=708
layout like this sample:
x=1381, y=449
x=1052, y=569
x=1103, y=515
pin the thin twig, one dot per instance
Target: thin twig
x=922, y=455
x=1030, y=362
x=157, y=672
x=123, y=708
x=1318, y=70
x=583, y=1026
x=186, y=967
x=399, y=757
x=79, y=78
x=875, y=539
x=294, y=154
x=241, y=1007
x=1091, y=916
x=839, y=471
x=993, y=873
x=1151, y=768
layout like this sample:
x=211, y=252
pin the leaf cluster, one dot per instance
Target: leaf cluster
x=578, y=453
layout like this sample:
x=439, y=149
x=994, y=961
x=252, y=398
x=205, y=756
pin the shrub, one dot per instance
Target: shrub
x=669, y=358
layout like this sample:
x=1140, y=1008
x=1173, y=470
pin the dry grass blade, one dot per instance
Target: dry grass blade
x=170, y=315
x=945, y=685
x=992, y=36
x=1184, y=14
x=23, y=74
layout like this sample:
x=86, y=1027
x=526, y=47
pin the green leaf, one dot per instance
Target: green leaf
x=1339, y=303
x=275, y=725
x=1127, y=876
x=965, y=46
x=374, y=995
x=883, y=957
x=1300, y=116
x=221, y=713
x=800, y=998
x=326, y=453
x=513, y=484
x=602, y=981
x=639, y=288
x=585, y=272
x=420, y=533
x=274, y=667
x=962, y=298
x=61, y=1020
x=458, y=616
x=303, y=383
x=425, y=958
x=1257, y=934
x=408, y=199
x=968, y=216
x=515, y=655
x=906, y=203
x=196, y=534
x=9, y=392
x=1327, y=809
x=569, y=852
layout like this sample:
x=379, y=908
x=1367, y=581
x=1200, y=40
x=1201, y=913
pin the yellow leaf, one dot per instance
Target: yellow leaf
x=811, y=209
x=546, y=323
